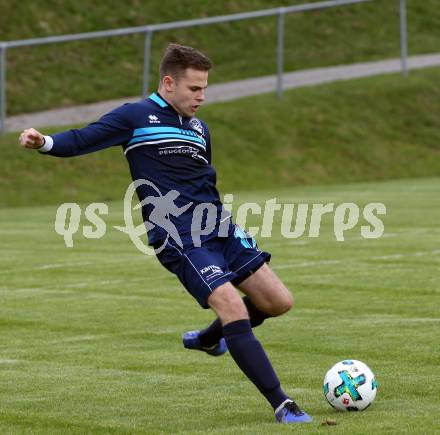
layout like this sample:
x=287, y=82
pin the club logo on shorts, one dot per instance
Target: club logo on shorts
x=211, y=271
x=196, y=125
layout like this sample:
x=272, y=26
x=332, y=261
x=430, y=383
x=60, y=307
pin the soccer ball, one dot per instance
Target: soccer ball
x=350, y=386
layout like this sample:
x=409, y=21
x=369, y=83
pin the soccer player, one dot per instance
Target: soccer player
x=167, y=145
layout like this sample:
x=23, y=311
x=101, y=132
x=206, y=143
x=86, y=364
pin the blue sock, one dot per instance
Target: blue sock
x=249, y=355
x=211, y=335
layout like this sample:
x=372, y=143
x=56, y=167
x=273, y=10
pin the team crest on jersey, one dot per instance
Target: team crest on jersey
x=196, y=125
x=153, y=119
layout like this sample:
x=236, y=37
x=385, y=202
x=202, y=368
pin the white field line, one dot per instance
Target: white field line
x=385, y=235
x=79, y=338
x=390, y=257
x=305, y=240
x=71, y=264
x=88, y=263
x=347, y=238
x=63, y=288
x=306, y=264
x=25, y=293
x=345, y=261
x=369, y=318
x=60, y=265
x=68, y=265
x=284, y=242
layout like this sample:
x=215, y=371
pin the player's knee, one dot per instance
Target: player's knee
x=232, y=311
x=227, y=304
x=282, y=304
x=288, y=302
x=237, y=311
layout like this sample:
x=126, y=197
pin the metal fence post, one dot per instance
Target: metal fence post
x=280, y=52
x=403, y=38
x=2, y=88
x=147, y=56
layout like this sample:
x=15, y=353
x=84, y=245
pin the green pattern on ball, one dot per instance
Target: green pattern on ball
x=349, y=385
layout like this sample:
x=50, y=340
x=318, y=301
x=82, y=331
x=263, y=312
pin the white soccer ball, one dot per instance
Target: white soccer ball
x=350, y=385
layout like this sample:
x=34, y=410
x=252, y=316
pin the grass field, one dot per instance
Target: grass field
x=90, y=336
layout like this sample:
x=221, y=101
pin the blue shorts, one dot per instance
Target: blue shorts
x=218, y=260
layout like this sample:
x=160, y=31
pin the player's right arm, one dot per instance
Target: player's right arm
x=114, y=128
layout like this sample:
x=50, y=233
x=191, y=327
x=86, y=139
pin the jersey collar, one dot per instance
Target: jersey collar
x=158, y=99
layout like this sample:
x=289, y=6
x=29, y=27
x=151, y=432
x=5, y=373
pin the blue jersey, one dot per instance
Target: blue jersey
x=161, y=146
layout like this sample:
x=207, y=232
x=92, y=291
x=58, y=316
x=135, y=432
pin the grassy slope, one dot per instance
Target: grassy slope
x=381, y=127
x=51, y=76
x=90, y=336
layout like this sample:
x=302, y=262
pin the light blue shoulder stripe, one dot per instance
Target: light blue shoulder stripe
x=158, y=100
x=155, y=130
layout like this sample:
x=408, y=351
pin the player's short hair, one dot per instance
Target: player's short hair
x=178, y=58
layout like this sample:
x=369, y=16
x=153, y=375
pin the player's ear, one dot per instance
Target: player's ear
x=168, y=83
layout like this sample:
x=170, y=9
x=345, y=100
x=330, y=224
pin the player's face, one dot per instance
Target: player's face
x=188, y=91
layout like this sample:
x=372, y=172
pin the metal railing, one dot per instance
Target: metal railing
x=150, y=29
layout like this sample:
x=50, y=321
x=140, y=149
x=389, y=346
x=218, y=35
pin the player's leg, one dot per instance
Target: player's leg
x=244, y=259
x=245, y=349
x=267, y=294
x=206, y=275
x=252, y=275
x=232, y=309
x=212, y=334
x=249, y=354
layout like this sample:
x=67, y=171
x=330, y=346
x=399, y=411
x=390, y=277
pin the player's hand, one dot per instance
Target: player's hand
x=31, y=138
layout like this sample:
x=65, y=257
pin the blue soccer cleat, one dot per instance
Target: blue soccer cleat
x=289, y=412
x=191, y=340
